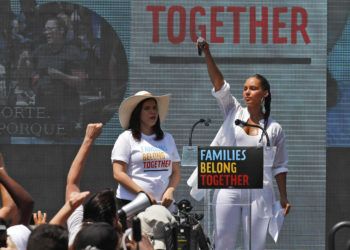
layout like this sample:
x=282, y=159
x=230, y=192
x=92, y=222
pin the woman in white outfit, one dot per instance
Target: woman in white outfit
x=231, y=205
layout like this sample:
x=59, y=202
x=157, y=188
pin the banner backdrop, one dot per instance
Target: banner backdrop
x=284, y=41
x=112, y=49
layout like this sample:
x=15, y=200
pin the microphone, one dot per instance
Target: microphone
x=206, y=123
x=200, y=45
x=241, y=123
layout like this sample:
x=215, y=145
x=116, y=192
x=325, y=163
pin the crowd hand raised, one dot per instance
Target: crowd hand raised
x=93, y=130
x=39, y=218
x=77, y=198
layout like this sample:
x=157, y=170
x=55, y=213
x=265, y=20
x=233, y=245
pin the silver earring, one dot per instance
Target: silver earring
x=262, y=104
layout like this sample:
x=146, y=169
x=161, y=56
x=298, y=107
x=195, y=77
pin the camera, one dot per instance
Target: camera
x=190, y=234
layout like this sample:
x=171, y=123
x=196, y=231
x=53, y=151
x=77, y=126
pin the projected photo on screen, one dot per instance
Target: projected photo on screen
x=338, y=77
x=62, y=66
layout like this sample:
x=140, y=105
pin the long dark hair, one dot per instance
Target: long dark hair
x=265, y=86
x=101, y=235
x=48, y=236
x=101, y=207
x=135, y=125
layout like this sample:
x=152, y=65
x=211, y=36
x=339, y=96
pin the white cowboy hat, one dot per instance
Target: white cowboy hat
x=129, y=104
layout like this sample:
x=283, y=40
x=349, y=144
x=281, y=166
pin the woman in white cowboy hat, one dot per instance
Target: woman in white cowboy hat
x=144, y=157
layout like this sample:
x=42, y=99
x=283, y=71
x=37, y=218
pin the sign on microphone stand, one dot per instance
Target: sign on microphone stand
x=230, y=167
x=189, y=156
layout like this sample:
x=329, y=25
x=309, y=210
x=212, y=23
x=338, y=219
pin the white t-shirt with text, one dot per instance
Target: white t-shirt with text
x=149, y=162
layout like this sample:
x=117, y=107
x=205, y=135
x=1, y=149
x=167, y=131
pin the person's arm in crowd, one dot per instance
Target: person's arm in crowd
x=9, y=210
x=174, y=180
x=76, y=199
x=78, y=164
x=20, y=196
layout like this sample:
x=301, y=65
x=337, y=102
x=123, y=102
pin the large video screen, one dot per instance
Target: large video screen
x=338, y=117
x=62, y=66
x=338, y=77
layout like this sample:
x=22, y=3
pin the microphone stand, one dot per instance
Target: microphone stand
x=206, y=122
x=189, y=153
x=240, y=122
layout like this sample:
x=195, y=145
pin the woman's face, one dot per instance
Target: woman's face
x=253, y=92
x=149, y=114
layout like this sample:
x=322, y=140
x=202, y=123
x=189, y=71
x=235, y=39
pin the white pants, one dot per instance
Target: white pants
x=231, y=209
